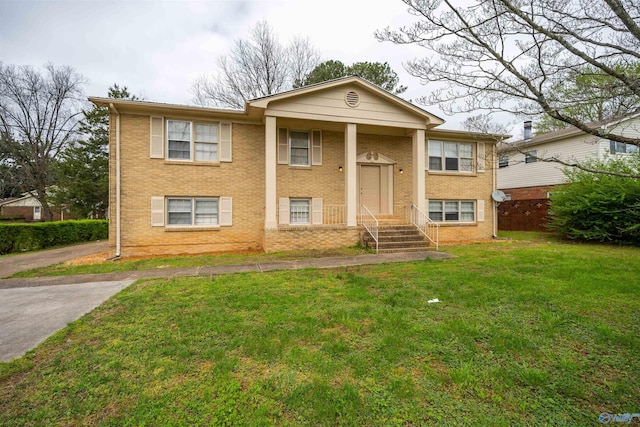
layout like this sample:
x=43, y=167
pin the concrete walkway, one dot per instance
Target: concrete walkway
x=33, y=309
x=332, y=262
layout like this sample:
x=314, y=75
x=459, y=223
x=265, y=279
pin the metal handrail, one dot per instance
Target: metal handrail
x=430, y=229
x=370, y=223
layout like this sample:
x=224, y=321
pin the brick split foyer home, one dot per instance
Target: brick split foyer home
x=307, y=168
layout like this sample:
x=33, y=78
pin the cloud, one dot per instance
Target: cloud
x=159, y=47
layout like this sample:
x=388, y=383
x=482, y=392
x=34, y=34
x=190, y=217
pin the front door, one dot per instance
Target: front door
x=370, y=187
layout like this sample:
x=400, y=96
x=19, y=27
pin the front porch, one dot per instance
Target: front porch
x=408, y=231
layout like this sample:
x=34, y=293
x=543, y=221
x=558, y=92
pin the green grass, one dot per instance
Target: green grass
x=533, y=236
x=527, y=333
x=151, y=263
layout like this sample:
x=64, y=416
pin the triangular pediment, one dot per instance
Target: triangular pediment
x=375, y=158
x=347, y=100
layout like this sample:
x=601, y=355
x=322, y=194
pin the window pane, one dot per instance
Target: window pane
x=451, y=211
x=467, y=213
x=466, y=165
x=450, y=149
x=435, y=163
x=435, y=148
x=300, y=156
x=299, y=139
x=299, y=147
x=632, y=148
x=179, y=149
x=530, y=156
x=451, y=163
x=179, y=211
x=206, y=133
x=299, y=209
x=206, y=151
x=435, y=211
x=179, y=131
x=179, y=205
x=466, y=150
x=451, y=156
x=207, y=211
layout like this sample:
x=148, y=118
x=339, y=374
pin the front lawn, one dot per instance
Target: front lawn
x=526, y=333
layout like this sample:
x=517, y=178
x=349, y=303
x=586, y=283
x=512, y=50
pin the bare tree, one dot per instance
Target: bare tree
x=509, y=55
x=483, y=123
x=303, y=58
x=38, y=118
x=255, y=67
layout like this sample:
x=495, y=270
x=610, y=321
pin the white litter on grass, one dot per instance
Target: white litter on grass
x=433, y=300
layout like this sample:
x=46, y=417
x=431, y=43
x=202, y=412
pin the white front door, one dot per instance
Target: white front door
x=370, y=187
x=37, y=213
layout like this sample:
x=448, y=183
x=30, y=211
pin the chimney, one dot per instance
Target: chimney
x=527, y=130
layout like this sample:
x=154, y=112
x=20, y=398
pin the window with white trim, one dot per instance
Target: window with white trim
x=206, y=142
x=299, y=143
x=503, y=161
x=178, y=140
x=452, y=210
x=192, y=211
x=531, y=156
x=299, y=211
x=188, y=141
x=450, y=156
x=299, y=147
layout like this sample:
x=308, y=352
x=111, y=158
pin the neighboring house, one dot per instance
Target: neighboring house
x=27, y=208
x=292, y=170
x=528, y=182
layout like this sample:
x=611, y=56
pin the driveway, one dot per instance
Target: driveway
x=30, y=315
x=11, y=264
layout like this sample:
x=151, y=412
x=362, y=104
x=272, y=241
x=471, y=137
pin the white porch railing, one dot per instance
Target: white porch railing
x=333, y=215
x=370, y=223
x=430, y=229
x=301, y=214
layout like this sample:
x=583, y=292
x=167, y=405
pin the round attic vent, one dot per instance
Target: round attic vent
x=352, y=99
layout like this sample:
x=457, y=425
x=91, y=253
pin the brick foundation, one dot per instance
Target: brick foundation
x=313, y=237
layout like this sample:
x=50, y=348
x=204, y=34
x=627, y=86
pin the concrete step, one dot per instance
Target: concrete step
x=401, y=238
x=397, y=238
x=393, y=251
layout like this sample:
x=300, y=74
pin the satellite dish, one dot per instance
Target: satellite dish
x=498, y=196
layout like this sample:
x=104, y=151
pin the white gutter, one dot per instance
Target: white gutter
x=118, y=223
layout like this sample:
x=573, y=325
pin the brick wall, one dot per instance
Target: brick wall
x=529, y=193
x=523, y=215
x=457, y=186
x=143, y=178
x=526, y=211
x=311, y=237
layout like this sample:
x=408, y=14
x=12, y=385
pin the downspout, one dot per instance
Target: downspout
x=118, y=223
x=494, y=168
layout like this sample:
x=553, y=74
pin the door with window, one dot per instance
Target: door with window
x=37, y=213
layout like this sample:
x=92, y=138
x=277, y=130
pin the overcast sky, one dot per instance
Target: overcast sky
x=158, y=47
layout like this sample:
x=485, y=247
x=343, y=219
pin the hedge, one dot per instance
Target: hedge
x=29, y=237
x=600, y=207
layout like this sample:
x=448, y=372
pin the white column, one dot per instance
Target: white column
x=418, y=168
x=270, y=151
x=350, y=171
